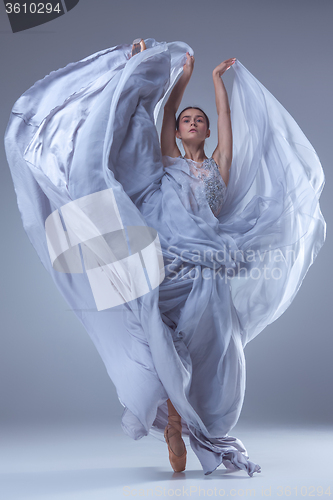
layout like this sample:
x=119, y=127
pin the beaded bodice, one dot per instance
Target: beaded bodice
x=212, y=187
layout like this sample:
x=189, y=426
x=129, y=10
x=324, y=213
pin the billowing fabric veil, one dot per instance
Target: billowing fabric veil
x=169, y=293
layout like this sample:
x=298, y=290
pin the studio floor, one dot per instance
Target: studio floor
x=99, y=462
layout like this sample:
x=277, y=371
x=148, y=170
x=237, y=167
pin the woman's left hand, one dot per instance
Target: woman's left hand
x=222, y=68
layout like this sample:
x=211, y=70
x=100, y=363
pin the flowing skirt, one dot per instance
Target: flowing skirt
x=169, y=293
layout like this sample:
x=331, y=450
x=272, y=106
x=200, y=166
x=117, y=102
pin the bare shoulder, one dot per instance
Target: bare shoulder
x=223, y=165
x=174, y=153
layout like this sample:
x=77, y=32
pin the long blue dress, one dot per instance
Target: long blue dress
x=171, y=272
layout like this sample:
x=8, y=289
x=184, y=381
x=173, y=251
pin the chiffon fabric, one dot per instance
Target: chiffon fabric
x=96, y=196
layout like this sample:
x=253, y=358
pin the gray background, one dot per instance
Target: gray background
x=49, y=368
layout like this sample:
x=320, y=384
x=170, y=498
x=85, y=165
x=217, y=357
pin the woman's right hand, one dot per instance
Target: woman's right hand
x=189, y=65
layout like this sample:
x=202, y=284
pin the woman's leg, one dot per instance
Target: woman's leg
x=174, y=430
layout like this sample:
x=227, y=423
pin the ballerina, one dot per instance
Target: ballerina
x=172, y=264
x=192, y=127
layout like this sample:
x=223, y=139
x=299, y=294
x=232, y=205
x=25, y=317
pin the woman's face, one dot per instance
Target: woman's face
x=192, y=126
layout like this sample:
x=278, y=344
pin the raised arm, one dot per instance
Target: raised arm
x=223, y=152
x=168, y=133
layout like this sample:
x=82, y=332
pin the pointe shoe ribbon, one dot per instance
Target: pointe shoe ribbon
x=178, y=462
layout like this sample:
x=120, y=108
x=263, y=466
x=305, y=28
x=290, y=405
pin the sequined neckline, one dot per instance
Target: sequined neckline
x=195, y=162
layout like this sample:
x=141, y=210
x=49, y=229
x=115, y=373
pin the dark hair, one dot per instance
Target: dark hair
x=192, y=107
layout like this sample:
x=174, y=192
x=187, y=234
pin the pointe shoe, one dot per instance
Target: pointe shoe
x=138, y=46
x=178, y=462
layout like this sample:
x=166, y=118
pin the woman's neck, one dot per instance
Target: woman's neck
x=195, y=154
